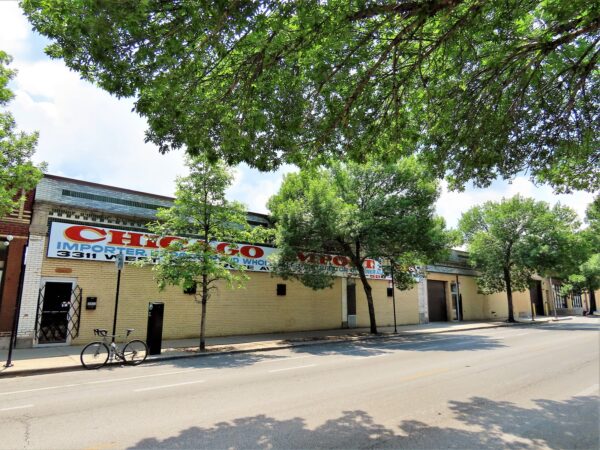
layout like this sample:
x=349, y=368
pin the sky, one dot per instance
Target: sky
x=87, y=134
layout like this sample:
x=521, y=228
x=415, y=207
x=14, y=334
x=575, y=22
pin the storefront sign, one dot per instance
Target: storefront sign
x=91, y=243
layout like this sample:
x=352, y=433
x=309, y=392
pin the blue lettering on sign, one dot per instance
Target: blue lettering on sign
x=109, y=249
x=251, y=262
x=130, y=251
x=97, y=248
x=67, y=246
x=140, y=252
x=84, y=247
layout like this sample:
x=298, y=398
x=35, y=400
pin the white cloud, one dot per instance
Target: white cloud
x=85, y=133
x=452, y=204
x=14, y=29
x=254, y=188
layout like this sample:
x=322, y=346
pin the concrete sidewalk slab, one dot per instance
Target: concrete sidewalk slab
x=47, y=359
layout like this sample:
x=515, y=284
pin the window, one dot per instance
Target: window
x=559, y=300
x=456, y=306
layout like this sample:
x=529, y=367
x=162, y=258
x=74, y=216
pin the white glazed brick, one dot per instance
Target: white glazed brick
x=422, y=298
x=31, y=285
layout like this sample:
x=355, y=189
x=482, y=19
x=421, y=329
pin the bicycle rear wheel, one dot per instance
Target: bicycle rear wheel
x=94, y=355
x=135, y=352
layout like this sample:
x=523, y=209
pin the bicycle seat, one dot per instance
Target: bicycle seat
x=130, y=330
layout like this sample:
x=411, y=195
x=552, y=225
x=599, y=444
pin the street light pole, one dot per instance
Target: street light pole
x=394, y=297
x=120, y=262
x=13, y=333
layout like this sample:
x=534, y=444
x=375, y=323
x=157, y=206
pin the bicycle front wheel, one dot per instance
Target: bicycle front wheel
x=94, y=355
x=135, y=352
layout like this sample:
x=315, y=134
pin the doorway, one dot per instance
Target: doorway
x=58, y=312
x=535, y=294
x=351, y=303
x=436, y=301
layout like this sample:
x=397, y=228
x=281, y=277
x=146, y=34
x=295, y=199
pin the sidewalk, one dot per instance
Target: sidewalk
x=39, y=360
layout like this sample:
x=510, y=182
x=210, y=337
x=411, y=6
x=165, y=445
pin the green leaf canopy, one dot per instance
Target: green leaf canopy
x=480, y=88
x=360, y=211
x=511, y=240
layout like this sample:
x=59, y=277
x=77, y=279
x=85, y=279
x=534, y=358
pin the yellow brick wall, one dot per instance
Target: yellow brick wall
x=498, y=304
x=253, y=309
x=407, y=310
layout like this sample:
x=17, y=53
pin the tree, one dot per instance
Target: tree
x=360, y=212
x=480, y=88
x=17, y=173
x=203, y=214
x=511, y=240
x=586, y=276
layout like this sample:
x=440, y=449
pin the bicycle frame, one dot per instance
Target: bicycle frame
x=99, y=353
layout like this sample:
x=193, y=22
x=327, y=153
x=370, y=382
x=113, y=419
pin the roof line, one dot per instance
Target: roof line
x=128, y=191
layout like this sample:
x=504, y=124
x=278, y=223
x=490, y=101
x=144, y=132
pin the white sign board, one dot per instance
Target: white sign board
x=92, y=243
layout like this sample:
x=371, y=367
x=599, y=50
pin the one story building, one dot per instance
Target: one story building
x=70, y=282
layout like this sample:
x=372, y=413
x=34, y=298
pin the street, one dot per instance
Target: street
x=515, y=387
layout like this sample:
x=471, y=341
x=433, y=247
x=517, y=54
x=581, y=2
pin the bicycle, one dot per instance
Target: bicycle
x=97, y=354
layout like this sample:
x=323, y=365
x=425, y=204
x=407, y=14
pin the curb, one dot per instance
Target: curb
x=288, y=344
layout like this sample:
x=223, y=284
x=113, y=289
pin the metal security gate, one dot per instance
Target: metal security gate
x=58, y=312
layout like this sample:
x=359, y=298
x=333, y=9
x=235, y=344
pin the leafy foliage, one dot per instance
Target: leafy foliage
x=203, y=214
x=585, y=277
x=359, y=211
x=511, y=240
x=479, y=88
x=17, y=173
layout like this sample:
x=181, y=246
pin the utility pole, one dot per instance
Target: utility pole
x=394, y=296
x=120, y=261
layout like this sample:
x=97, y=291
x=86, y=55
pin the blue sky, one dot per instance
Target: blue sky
x=89, y=135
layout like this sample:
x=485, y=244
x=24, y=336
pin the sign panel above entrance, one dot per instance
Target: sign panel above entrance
x=91, y=243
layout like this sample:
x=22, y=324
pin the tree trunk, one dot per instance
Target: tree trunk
x=203, y=319
x=511, y=315
x=369, y=294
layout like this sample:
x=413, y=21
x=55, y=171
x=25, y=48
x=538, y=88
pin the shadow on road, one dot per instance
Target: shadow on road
x=425, y=343
x=489, y=424
x=224, y=361
x=594, y=325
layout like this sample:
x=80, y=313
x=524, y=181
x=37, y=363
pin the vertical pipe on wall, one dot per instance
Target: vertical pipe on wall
x=459, y=315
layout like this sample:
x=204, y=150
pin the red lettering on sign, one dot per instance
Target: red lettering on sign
x=74, y=233
x=151, y=242
x=310, y=258
x=324, y=259
x=251, y=251
x=166, y=241
x=126, y=238
x=224, y=247
x=340, y=261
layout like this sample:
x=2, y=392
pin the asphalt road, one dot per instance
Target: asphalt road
x=517, y=387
